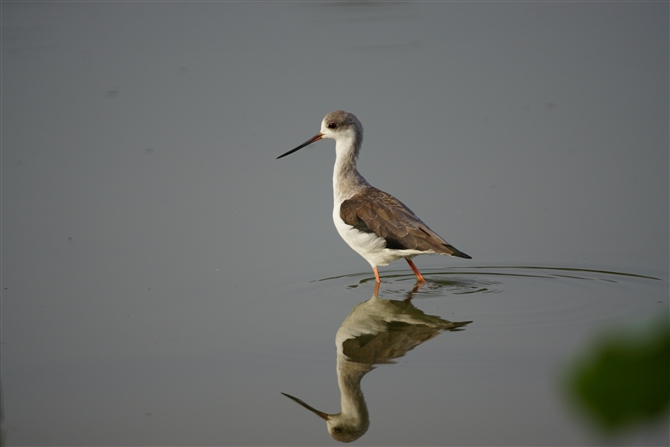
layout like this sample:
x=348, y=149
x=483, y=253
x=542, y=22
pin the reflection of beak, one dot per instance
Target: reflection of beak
x=316, y=137
x=321, y=414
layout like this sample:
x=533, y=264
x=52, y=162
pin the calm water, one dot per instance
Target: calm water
x=496, y=380
x=165, y=279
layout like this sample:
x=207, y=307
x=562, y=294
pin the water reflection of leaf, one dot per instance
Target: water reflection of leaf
x=625, y=379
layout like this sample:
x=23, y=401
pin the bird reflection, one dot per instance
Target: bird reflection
x=377, y=331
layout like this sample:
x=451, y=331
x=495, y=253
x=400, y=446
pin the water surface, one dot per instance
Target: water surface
x=165, y=278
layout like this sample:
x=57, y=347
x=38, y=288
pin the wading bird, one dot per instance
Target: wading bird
x=375, y=224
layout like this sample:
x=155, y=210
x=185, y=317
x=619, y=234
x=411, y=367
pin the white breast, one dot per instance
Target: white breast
x=368, y=245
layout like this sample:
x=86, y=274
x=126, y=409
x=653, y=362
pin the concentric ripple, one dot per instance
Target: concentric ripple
x=491, y=279
x=540, y=294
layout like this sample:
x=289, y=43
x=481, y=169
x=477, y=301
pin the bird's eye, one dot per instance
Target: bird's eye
x=332, y=126
x=338, y=429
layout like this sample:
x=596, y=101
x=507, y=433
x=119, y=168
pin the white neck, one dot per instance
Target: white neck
x=349, y=376
x=347, y=182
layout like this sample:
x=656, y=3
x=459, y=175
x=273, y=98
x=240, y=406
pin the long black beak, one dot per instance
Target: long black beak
x=321, y=414
x=316, y=137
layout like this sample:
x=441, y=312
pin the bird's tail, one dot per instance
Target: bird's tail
x=456, y=252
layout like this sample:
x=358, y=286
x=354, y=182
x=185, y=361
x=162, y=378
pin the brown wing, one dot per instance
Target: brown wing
x=374, y=211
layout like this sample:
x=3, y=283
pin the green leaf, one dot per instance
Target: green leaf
x=625, y=380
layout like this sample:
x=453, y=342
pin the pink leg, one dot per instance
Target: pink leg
x=374, y=269
x=416, y=271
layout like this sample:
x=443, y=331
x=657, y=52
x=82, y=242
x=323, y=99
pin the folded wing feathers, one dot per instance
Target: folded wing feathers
x=392, y=220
